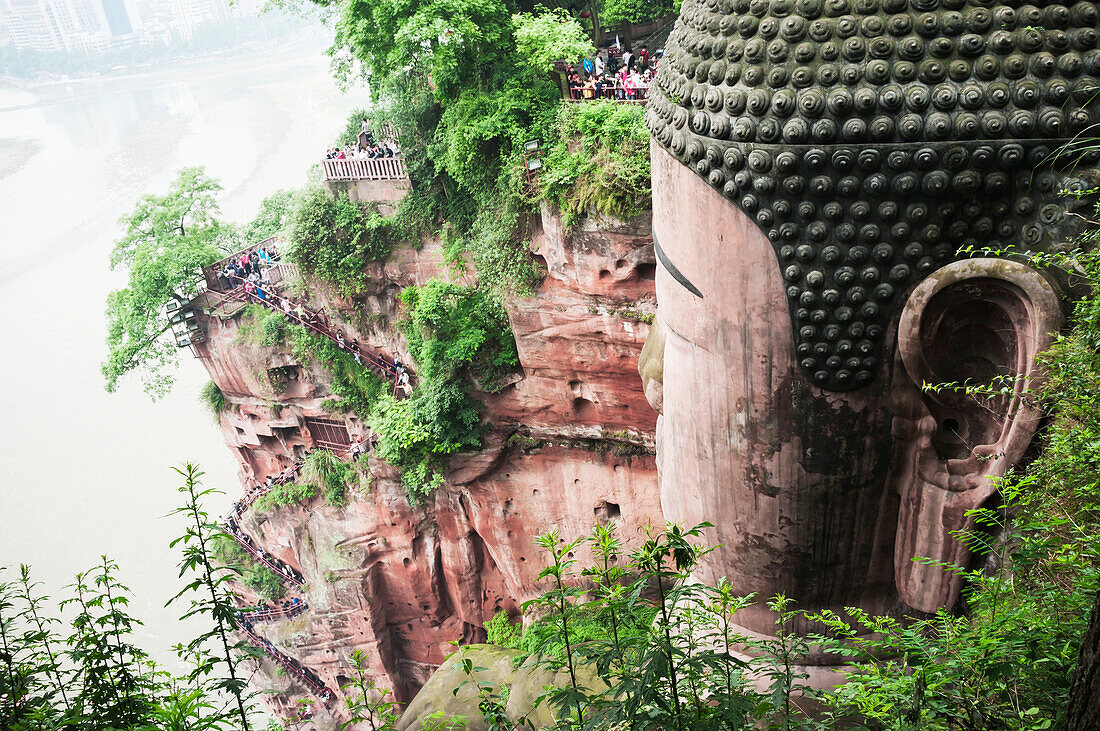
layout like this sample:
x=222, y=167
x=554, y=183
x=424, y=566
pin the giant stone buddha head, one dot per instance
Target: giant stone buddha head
x=826, y=176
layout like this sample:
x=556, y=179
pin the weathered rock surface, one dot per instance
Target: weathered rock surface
x=493, y=667
x=402, y=583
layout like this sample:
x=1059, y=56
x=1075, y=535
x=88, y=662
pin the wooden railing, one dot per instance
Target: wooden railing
x=381, y=168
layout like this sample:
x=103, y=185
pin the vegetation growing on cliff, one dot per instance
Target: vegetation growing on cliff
x=213, y=399
x=271, y=219
x=253, y=574
x=334, y=238
x=354, y=387
x=454, y=331
x=600, y=161
x=290, y=493
x=322, y=473
x=260, y=327
x=455, y=334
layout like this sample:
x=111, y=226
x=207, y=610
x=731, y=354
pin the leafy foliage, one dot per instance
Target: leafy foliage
x=480, y=129
x=660, y=645
x=329, y=474
x=271, y=219
x=96, y=678
x=500, y=631
x=548, y=36
x=291, y=493
x=334, y=238
x=355, y=387
x=637, y=11
x=453, y=332
x=212, y=397
x=261, y=327
x=450, y=328
x=601, y=160
x=167, y=241
x=455, y=42
x=207, y=597
x=350, y=135
x=115, y=688
x=418, y=433
x=253, y=574
x=366, y=703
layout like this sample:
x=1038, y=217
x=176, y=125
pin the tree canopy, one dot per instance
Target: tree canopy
x=455, y=42
x=272, y=217
x=549, y=36
x=636, y=11
x=168, y=239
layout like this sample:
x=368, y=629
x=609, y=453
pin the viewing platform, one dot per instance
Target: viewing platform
x=380, y=168
x=383, y=180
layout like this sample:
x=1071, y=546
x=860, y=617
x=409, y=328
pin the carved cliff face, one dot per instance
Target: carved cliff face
x=814, y=162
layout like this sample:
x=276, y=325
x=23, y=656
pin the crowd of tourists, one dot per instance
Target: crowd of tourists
x=359, y=152
x=365, y=147
x=614, y=73
x=251, y=270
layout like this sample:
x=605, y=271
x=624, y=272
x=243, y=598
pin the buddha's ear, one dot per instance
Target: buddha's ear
x=981, y=323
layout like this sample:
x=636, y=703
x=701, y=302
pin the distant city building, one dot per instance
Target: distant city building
x=193, y=14
x=55, y=26
x=118, y=19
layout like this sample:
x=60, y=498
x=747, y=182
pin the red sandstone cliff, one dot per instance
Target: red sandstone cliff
x=403, y=583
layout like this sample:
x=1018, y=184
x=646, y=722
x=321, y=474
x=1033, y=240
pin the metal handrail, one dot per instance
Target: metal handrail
x=615, y=93
x=320, y=690
x=314, y=322
x=284, y=571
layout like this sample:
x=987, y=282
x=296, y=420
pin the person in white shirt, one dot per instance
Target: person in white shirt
x=599, y=65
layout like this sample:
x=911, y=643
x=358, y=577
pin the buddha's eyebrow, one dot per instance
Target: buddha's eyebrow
x=671, y=269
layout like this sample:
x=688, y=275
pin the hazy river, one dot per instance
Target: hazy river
x=84, y=472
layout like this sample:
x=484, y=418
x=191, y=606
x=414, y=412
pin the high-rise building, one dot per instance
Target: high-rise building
x=55, y=25
x=193, y=14
x=118, y=19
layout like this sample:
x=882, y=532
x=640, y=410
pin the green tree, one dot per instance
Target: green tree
x=116, y=688
x=636, y=11
x=272, y=217
x=167, y=241
x=549, y=36
x=455, y=42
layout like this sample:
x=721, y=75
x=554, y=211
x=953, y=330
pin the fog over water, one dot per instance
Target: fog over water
x=84, y=472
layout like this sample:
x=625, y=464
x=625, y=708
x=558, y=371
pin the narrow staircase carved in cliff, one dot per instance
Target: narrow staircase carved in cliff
x=242, y=290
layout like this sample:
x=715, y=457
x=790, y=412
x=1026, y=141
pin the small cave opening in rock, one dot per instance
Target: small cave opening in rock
x=584, y=408
x=342, y=680
x=606, y=511
x=647, y=271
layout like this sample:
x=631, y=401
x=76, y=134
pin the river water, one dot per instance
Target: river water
x=85, y=472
